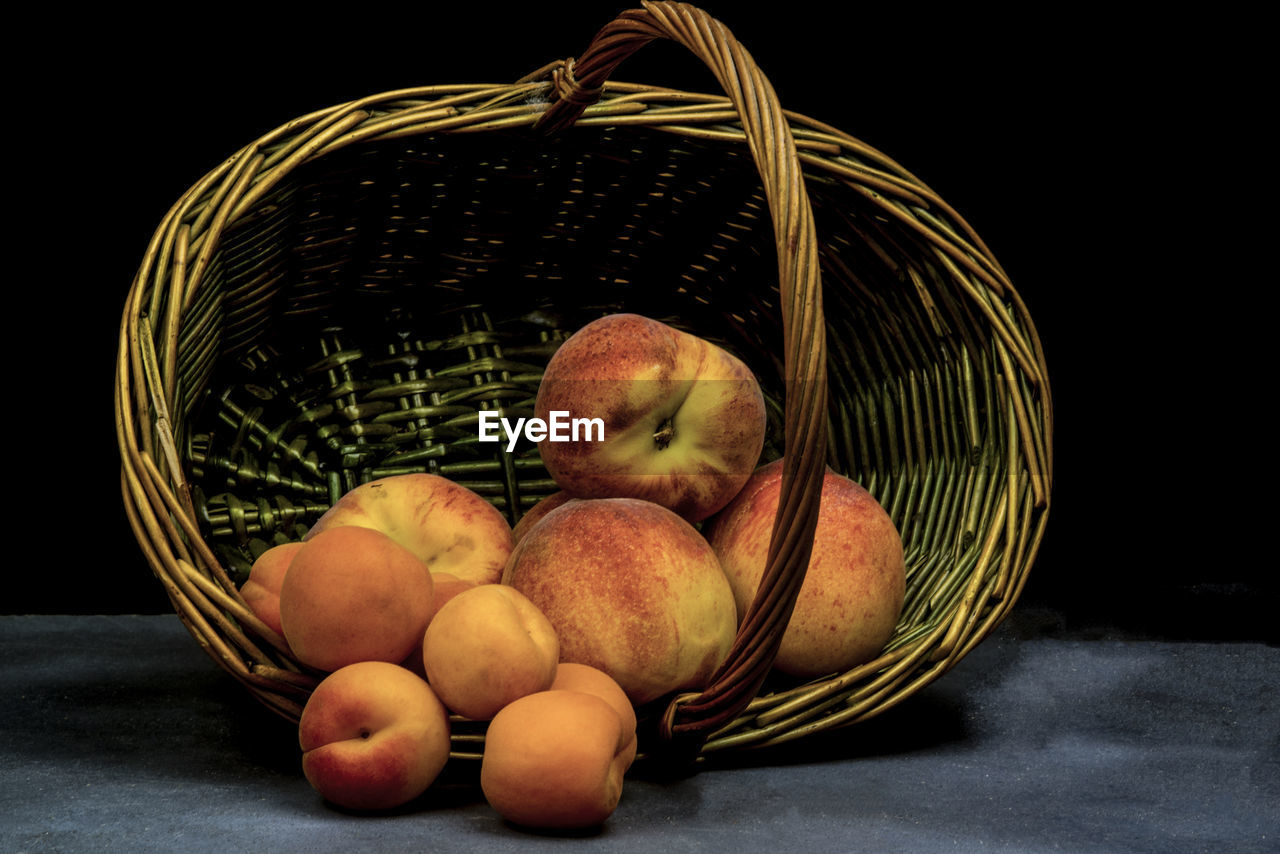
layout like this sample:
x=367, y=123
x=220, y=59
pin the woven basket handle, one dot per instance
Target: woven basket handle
x=691, y=718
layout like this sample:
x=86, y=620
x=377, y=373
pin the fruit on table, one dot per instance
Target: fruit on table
x=262, y=591
x=571, y=676
x=683, y=419
x=487, y=647
x=446, y=525
x=354, y=594
x=632, y=589
x=373, y=736
x=852, y=594
x=555, y=760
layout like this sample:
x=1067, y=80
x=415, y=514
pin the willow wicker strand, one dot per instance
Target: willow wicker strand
x=972, y=528
x=770, y=143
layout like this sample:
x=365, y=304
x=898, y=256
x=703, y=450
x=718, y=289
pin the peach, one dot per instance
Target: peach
x=537, y=511
x=352, y=594
x=487, y=647
x=632, y=589
x=853, y=590
x=571, y=676
x=448, y=526
x=555, y=760
x=373, y=736
x=681, y=420
x=262, y=591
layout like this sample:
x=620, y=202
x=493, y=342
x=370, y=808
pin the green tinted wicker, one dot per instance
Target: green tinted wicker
x=339, y=299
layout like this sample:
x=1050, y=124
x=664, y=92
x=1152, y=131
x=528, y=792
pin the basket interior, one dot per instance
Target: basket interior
x=353, y=324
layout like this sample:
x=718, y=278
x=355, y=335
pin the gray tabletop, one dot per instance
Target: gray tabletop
x=119, y=733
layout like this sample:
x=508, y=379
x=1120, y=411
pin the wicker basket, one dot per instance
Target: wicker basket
x=339, y=299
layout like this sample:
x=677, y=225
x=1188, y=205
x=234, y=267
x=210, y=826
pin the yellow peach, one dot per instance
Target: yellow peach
x=447, y=585
x=445, y=524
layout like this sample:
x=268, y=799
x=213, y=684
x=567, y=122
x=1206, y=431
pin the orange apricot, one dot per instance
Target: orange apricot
x=486, y=647
x=554, y=760
x=571, y=676
x=354, y=594
x=262, y=591
x=373, y=736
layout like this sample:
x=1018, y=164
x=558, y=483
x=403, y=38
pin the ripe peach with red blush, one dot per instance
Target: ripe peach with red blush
x=632, y=589
x=683, y=420
x=853, y=590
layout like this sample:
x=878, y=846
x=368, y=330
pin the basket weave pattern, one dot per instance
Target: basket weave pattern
x=338, y=300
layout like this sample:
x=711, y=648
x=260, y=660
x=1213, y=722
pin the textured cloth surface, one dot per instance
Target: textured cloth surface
x=118, y=733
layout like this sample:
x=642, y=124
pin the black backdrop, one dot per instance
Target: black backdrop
x=1070, y=147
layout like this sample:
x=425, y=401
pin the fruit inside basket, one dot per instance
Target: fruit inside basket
x=341, y=299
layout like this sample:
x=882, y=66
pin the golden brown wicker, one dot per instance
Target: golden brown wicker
x=338, y=299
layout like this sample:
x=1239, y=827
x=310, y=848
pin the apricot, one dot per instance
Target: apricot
x=555, y=760
x=571, y=676
x=487, y=647
x=373, y=736
x=262, y=591
x=353, y=594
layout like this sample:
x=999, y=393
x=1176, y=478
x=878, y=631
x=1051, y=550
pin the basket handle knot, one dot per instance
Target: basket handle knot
x=568, y=89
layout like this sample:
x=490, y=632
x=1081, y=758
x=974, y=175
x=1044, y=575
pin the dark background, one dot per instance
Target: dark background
x=1095, y=159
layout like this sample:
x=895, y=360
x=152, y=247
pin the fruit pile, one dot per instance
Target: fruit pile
x=418, y=600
